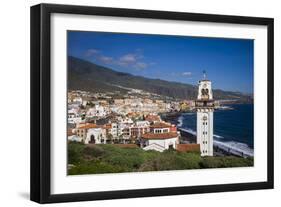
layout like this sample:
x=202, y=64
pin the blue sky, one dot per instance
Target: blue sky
x=227, y=62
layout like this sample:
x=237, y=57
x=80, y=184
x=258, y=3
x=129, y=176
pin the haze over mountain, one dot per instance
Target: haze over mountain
x=85, y=75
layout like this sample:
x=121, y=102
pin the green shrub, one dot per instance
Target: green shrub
x=110, y=158
x=209, y=162
x=129, y=162
x=93, y=152
x=94, y=168
x=227, y=161
x=75, y=152
x=172, y=160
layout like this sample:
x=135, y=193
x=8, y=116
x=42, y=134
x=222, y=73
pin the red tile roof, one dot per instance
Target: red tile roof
x=87, y=126
x=160, y=125
x=106, y=126
x=188, y=147
x=152, y=118
x=160, y=136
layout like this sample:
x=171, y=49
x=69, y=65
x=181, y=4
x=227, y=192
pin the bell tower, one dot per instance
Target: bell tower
x=205, y=107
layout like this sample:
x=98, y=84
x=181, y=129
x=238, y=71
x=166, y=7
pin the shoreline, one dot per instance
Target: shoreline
x=220, y=148
x=173, y=118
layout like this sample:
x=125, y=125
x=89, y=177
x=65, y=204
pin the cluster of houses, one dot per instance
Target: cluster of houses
x=150, y=134
x=100, y=107
x=108, y=126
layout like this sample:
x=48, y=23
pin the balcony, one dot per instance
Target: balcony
x=204, y=104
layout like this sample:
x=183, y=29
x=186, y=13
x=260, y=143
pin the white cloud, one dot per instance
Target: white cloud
x=105, y=59
x=91, y=52
x=130, y=60
x=187, y=73
x=133, y=60
x=127, y=59
x=141, y=65
x=97, y=54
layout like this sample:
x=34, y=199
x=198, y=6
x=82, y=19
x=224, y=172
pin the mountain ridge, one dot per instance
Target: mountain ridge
x=85, y=75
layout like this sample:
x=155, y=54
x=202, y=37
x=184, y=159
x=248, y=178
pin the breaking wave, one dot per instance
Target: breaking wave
x=180, y=121
x=218, y=136
x=237, y=148
x=190, y=131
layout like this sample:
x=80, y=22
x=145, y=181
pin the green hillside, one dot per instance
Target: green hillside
x=107, y=158
x=84, y=75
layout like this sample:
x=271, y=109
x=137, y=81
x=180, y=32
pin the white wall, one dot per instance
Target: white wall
x=207, y=137
x=164, y=142
x=14, y=84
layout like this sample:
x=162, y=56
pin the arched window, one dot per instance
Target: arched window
x=92, y=139
x=205, y=93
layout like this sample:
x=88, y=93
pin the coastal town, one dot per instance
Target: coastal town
x=98, y=118
x=133, y=105
x=137, y=119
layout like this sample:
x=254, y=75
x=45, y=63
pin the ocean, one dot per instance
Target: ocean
x=232, y=128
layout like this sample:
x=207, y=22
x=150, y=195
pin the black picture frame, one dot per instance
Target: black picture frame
x=41, y=99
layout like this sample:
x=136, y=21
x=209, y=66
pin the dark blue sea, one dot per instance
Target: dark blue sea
x=234, y=127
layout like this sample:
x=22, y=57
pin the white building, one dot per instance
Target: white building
x=84, y=103
x=73, y=115
x=78, y=100
x=142, y=123
x=74, y=138
x=124, y=125
x=73, y=118
x=95, y=136
x=73, y=109
x=97, y=110
x=71, y=136
x=205, y=107
x=114, y=130
x=160, y=138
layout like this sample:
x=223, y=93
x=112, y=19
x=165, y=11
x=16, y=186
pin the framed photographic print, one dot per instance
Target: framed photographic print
x=132, y=103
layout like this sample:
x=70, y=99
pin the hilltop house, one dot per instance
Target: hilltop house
x=162, y=136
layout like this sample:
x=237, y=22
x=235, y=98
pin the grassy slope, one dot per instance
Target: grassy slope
x=114, y=159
